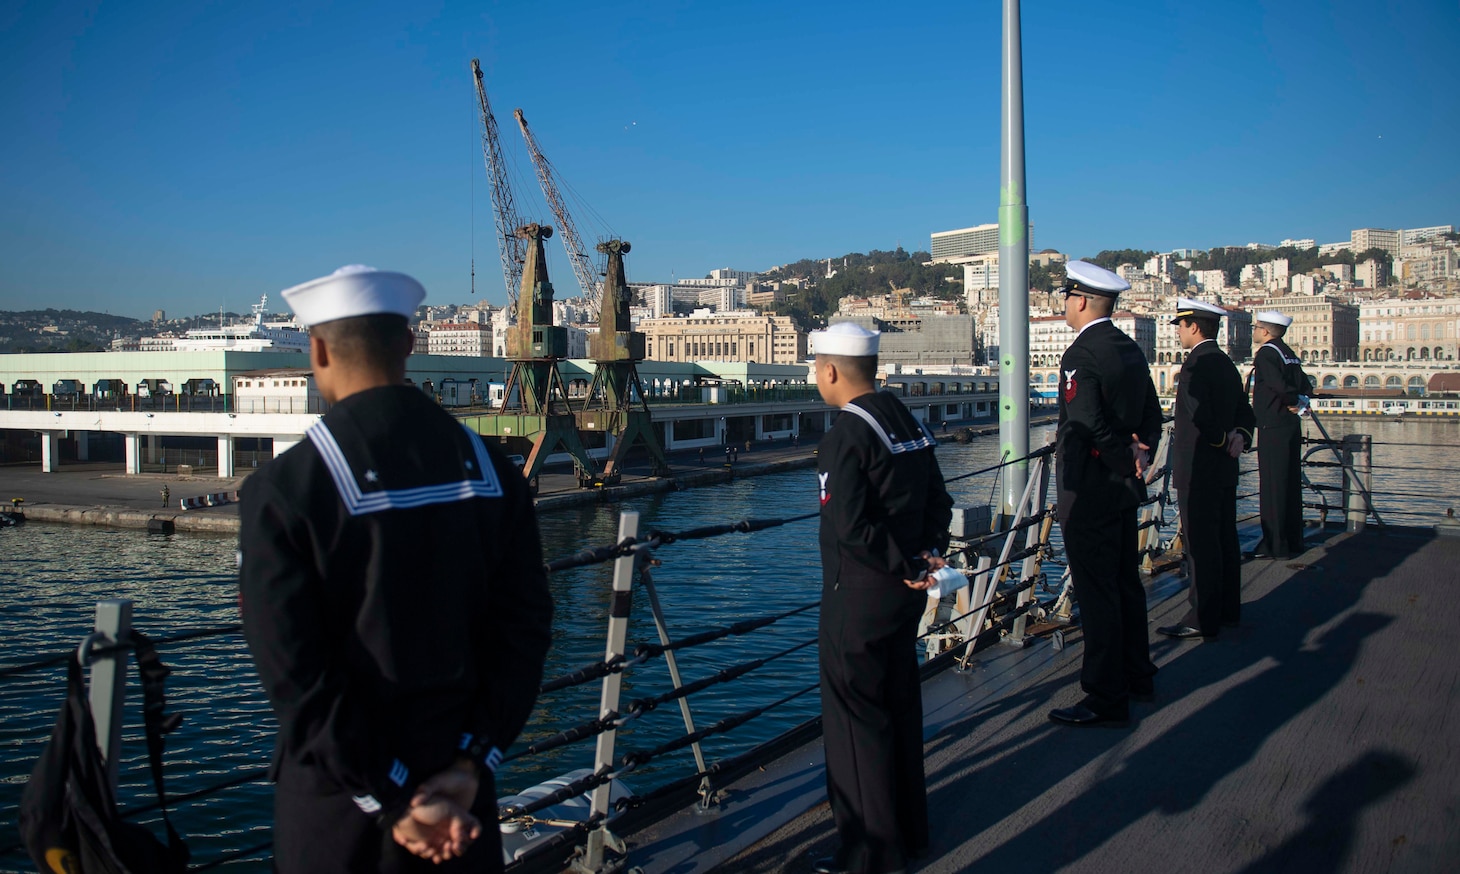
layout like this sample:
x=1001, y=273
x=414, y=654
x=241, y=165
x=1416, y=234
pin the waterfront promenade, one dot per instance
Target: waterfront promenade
x=1319, y=736
x=103, y=494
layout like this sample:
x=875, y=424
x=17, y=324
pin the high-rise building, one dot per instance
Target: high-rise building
x=1419, y=235
x=955, y=246
x=1364, y=239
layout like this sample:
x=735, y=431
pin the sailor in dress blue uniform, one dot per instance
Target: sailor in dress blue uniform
x=1279, y=395
x=1110, y=423
x=884, y=521
x=395, y=603
x=1213, y=425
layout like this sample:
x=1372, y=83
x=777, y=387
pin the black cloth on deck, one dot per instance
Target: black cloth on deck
x=395, y=602
x=882, y=502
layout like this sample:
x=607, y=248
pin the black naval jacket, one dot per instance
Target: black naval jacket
x=882, y=495
x=393, y=597
x=1106, y=395
x=1209, y=404
x=1277, y=381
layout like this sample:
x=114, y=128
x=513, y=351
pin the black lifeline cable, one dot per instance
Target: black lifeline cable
x=1041, y=451
x=112, y=649
x=743, y=526
x=637, y=708
x=650, y=650
x=998, y=535
x=635, y=759
x=577, y=787
x=584, y=675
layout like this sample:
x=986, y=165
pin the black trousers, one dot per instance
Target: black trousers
x=872, y=724
x=1106, y=569
x=1214, y=562
x=328, y=834
x=1280, y=488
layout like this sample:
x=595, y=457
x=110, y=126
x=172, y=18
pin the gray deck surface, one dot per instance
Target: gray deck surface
x=1320, y=736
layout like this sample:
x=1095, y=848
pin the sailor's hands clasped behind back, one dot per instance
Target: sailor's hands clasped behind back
x=439, y=825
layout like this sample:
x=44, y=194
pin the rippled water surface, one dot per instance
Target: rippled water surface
x=51, y=576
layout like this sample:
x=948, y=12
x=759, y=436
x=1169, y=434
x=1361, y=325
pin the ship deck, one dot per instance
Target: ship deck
x=1312, y=738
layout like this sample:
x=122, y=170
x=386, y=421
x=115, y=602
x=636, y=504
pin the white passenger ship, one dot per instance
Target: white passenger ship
x=254, y=336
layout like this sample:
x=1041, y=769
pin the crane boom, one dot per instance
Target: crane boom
x=582, y=264
x=512, y=247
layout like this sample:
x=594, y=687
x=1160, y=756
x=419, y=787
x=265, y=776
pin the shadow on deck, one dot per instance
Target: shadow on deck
x=1313, y=738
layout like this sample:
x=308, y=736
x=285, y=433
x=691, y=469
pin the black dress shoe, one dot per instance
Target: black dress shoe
x=1082, y=716
x=1180, y=632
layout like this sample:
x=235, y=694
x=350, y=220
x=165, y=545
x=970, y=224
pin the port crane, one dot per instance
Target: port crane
x=512, y=248
x=573, y=244
x=535, y=407
x=615, y=401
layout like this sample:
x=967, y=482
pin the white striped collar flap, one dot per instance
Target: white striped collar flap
x=925, y=441
x=359, y=502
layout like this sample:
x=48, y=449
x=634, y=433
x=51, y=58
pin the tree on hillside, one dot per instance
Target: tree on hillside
x=1110, y=259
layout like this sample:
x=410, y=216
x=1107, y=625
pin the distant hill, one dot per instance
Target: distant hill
x=876, y=272
x=63, y=330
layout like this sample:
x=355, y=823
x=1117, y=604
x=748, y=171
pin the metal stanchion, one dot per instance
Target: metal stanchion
x=109, y=681
x=618, y=635
x=1358, y=459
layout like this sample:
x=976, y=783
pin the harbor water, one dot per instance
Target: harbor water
x=51, y=576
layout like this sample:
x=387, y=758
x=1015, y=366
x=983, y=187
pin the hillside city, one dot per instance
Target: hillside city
x=1383, y=295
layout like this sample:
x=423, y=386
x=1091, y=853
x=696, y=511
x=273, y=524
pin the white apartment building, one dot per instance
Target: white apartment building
x=736, y=277
x=952, y=247
x=1419, y=235
x=470, y=339
x=1303, y=283
x=1297, y=244
x=1363, y=239
x=1130, y=272
x=1371, y=274
x=980, y=276
x=1159, y=266
x=1344, y=273
x=1401, y=329
x=1326, y=249
x=1425, y=263
x=1209, y=281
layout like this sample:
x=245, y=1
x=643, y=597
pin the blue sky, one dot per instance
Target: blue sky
x=193, y=155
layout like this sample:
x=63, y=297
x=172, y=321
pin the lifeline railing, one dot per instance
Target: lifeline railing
x=996, y=605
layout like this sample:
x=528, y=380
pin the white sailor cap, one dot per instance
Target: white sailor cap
x=354, y=290
x=1188, y=308
x=845, y=338
x=1090, y=278
x=1273, y=317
